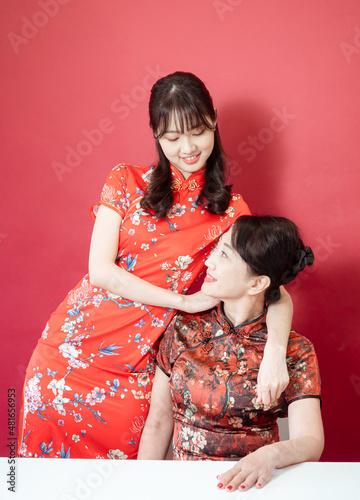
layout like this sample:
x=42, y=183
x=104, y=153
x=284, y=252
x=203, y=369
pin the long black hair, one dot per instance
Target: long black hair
x=271, y=246
x=185, y=97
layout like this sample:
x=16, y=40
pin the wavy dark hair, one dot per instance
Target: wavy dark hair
x=184, y=97
x=271, y=246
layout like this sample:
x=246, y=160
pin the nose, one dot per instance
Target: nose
x=209, y=262
x=187, y=146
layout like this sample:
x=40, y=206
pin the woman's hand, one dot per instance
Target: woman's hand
x=273, y=376
x=197, y=302
x=256, y=468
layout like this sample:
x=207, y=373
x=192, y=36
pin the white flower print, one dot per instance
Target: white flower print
x=58, y=403
x=186, y=276
x=68, y=326
x=68, y=351
x=135, y=217
x=58, y=386
x=235, y=422
x=45, y=332
x=75, y=438
x=147, y=176
x=183, y=261
x=144, y=246
x=151, y=227
x=117, y=455
x=165, y=266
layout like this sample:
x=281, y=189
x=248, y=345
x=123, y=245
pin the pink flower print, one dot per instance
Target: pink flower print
x=177, y=211
x=96, y=396
x=143, y=379
x=137, y=425
x=145, y=349
x=151, y=227
x=61, y=422
x=97, y=300
x=32, y=398
x=81, y=293
x=77, y=417
x=108, y=194
x=213, y=233
x=157, y=322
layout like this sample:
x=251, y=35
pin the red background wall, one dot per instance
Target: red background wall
x=285, y=80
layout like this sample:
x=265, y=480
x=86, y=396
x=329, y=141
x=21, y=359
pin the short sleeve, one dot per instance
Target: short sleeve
x=114, y=194
x=303, y=370
x=169, y=347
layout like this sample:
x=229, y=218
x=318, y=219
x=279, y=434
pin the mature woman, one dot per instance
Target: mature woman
x=208, y=362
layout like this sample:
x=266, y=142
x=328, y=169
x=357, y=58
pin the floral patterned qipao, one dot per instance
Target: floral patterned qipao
x=88, y=384
x=213, y=370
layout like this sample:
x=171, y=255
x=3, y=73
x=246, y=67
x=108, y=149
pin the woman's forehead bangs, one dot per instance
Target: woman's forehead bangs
x=184, y=118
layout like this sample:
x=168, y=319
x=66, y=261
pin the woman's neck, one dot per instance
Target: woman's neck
x=244, y=310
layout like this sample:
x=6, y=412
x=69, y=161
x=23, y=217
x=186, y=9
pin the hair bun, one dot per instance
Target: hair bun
x=303, y=258
x=273, y=295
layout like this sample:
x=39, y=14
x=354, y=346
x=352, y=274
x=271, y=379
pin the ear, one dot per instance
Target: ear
x=259, y=285
x=215, y=121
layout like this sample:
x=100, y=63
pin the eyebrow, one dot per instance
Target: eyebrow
x=229, y=246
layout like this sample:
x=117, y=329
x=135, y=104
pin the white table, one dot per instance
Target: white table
x=58, y=479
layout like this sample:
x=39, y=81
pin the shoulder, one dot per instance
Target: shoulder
x=237, y=206
x=300, y=348
x=130, y=170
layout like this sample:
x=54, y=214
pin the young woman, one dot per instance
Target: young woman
x=88, y=384
x=205, y=383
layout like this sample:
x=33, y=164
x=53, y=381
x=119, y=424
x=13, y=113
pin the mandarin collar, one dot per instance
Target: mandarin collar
x=195, y=181
x=248, y=329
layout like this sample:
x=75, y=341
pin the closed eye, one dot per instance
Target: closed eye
x=199, y=132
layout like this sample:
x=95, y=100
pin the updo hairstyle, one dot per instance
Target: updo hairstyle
x=271, y=246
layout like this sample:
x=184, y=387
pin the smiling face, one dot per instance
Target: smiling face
x=227, y=276
x=188, y=151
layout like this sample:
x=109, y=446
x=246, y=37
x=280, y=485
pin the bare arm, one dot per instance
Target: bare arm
x=157, y=433
x=305, y=444
x=273, y=374
x=104, y=273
